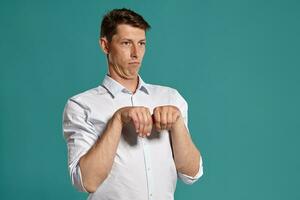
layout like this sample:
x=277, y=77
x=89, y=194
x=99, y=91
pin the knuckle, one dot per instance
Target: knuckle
x=131, y=112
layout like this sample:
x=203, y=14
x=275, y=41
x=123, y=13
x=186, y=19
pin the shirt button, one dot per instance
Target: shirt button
x=148, y=168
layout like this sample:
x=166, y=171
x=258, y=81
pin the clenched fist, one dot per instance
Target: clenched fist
x=140, y=116
x=164, y=118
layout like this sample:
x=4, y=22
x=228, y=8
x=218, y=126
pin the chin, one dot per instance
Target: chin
x=131, y=77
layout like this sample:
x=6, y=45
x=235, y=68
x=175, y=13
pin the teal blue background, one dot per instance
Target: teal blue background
x=236, y=62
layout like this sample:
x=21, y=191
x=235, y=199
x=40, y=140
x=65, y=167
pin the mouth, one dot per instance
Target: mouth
x=134, y=63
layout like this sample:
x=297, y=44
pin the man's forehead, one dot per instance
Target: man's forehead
x=128, y=31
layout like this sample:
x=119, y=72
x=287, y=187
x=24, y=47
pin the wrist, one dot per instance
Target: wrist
x=116, y=121
x=179, y=124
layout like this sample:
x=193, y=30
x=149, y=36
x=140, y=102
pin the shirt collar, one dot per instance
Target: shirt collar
x=114, y=87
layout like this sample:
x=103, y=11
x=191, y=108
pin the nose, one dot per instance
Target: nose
x=134, y=51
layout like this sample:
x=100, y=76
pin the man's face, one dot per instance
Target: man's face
x=126, y=51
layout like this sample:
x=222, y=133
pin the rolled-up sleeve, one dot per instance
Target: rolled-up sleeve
x=80, y=135
x=183, y=106
x=192, y=179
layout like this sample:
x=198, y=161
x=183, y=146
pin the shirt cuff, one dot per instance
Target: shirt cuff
x=77, y=179
x=192, y=179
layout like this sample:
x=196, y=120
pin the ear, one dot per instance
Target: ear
x=104, y=44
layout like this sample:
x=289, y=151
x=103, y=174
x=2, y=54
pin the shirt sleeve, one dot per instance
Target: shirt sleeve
x=80, y=135
x=183, y=107
x=191, y=179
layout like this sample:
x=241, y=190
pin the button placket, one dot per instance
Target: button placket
x=148, y=168
x=146, y=152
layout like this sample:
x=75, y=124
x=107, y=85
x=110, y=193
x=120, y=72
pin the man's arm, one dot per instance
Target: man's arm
x=96, y=164
x=186, y=155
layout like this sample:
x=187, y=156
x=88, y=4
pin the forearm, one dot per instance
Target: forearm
x=96, y=164
x=186, y=155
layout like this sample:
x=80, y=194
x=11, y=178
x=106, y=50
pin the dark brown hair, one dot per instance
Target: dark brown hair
x=116, y=17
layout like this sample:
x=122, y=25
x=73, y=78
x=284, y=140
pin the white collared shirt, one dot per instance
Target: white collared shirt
x=143, y=168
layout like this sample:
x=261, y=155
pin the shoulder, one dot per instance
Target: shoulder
x=84, y=99
x=88, y=94
x=162, y=90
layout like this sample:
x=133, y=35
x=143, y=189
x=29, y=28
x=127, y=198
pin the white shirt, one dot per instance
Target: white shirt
x=143, y=168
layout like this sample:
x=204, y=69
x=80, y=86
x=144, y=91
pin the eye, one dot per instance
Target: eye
x=126, y=43
x=142, y=43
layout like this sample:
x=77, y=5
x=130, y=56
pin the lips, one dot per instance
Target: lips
x=134, y=63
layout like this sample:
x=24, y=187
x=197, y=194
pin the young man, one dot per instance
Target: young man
x=128, y=139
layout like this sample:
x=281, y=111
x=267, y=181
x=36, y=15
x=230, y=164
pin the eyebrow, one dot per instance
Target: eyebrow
x=132, y=40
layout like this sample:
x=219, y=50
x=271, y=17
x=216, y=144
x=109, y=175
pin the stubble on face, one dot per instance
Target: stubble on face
x=126, y=52
x=126, y=72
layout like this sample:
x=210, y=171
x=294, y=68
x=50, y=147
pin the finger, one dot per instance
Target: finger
x=175, y=117
x=146, y=123
x=141, y=123
x=163, y=119
x=149, y=123
x=169, y=119
x=125, y=114
x=157, y=119
x=135, y=119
